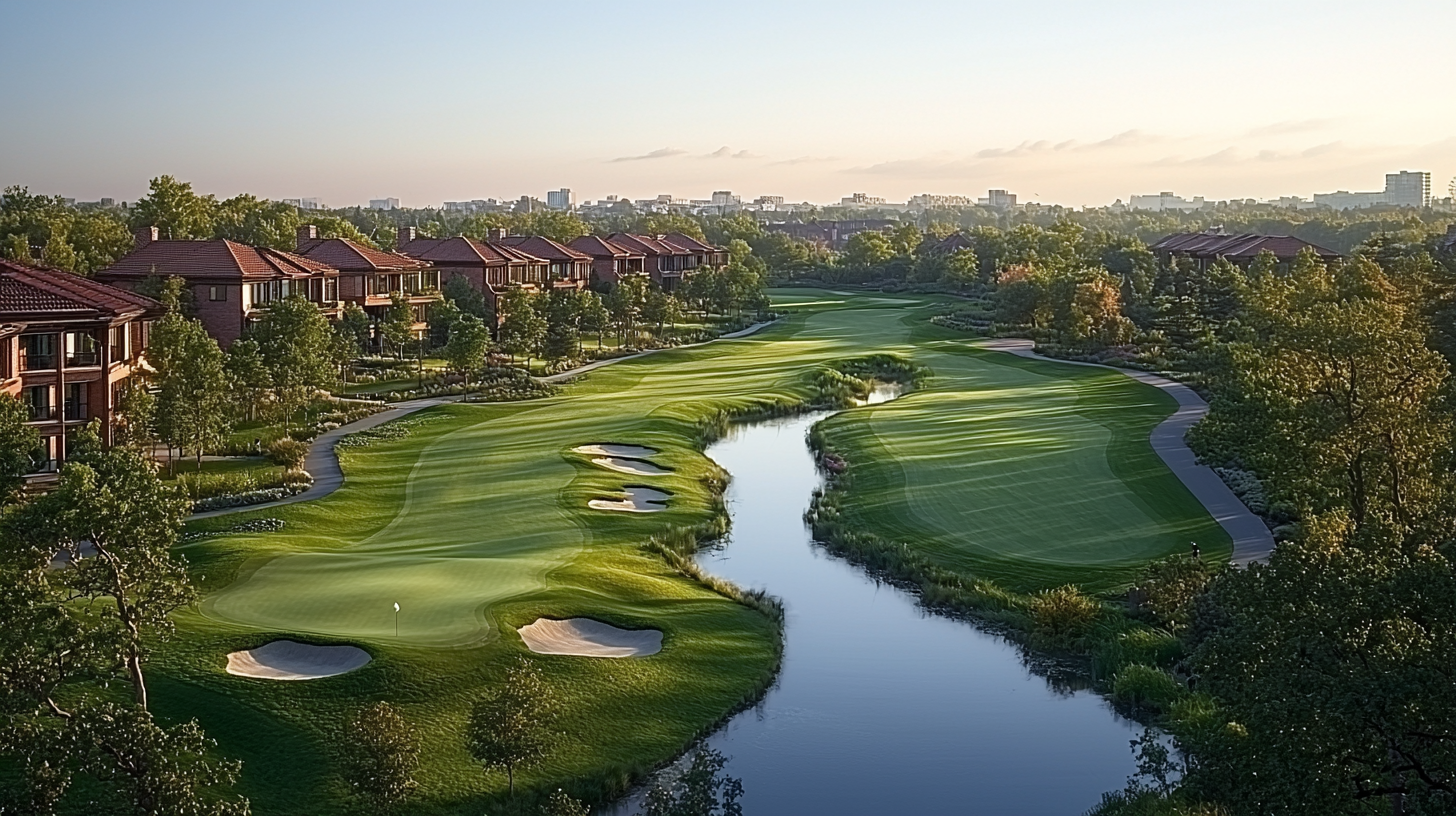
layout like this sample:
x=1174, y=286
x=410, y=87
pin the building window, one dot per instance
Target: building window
x=37, y=352
x=217, y=294
x=75, y=401
x=81, y=350
x=116, y=338
x=38, y=400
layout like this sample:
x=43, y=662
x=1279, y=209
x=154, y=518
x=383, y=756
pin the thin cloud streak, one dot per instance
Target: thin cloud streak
x=660, y=153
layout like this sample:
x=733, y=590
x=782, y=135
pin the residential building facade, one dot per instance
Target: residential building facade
x=500, y=261
x=67, y=346
x=372, y=278
x=231, y=283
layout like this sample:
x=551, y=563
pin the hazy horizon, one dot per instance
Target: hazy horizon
x=1057, y=101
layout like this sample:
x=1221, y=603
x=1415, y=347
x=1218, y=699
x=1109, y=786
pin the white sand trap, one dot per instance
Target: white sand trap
x=636, y=467
x=639, y=500
x=290, y=660
x=629, y=451
x=585, y=637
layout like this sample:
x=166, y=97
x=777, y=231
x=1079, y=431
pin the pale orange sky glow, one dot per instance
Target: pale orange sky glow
x=1061, y=102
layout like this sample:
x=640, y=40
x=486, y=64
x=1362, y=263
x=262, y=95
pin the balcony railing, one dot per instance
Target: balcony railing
x=40, y=413
x=75, y=412
x=82, y=359
x=37, y=362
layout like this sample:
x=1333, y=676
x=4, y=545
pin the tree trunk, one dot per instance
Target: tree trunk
x=511, y=779
x=138, y=680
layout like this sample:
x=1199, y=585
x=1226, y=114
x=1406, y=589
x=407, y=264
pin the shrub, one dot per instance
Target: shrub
x=209, y=485
x=1168, y=588
x=1061, y=617
x=289, y=453
x=1140, y=686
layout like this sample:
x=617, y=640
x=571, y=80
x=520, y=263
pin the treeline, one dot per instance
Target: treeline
x=1320, y=681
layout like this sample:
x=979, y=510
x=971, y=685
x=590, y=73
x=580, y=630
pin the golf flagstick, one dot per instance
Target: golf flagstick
x=396, y=618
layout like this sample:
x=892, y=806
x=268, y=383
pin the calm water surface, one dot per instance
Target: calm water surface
x=882, y=709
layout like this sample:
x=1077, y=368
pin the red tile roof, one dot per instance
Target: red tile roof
x=544, y=248
x=343, y=254
x=219, y=259
x=28, y=292
x=642, y=244
x=458, y=250
x=1245, y=246
x=598, y=247
x=690, y=243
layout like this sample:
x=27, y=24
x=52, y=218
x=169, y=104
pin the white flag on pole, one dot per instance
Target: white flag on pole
x=396, y=606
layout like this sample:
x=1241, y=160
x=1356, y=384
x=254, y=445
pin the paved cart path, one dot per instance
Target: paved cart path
x=1251, y=538
x=323, y=462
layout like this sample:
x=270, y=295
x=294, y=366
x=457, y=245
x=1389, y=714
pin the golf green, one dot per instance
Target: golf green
x=477, y=522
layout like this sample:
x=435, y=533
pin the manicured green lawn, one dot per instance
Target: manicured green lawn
x=1030, y=473
x=477, y=523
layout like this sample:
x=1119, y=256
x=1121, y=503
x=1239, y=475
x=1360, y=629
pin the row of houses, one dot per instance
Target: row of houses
x=232, y=283
x=68, y=344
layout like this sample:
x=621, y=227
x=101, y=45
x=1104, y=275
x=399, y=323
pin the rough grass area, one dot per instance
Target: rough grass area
x=476, y=522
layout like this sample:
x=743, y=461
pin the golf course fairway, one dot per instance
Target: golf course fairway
x=477, y=522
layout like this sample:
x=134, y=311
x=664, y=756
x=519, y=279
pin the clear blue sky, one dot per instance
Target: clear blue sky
x=1068, y=101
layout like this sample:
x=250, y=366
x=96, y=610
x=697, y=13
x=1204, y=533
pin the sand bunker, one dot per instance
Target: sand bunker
x=636, y=467
x=289, y=660
x=629, y=451
x=639, y=500
x=585, y=637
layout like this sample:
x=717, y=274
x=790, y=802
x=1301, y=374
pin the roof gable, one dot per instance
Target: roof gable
x=32, y=291
x=343, y=254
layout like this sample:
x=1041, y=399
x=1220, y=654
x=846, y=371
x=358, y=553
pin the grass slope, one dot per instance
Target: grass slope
x=476, y=523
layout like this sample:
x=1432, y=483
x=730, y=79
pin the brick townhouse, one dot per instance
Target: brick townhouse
x=668, y=259
x=67, y=345
x=372, y=277
x=500, y=261
x=231, y=283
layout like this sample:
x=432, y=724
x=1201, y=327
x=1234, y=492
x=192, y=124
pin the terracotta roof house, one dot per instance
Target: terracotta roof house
x=500, y=261
x=610, y=262
x=1204, y=248
x=67, y=344
x=831, y=234
x=372, y=277
x=567, y=268
x=670, y=258
x=231, y=283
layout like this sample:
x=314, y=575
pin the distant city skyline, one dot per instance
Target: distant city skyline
x=1057, y=101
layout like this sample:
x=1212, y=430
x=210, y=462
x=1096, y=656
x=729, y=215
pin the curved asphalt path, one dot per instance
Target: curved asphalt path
x=323, y=462
x=1252, y=540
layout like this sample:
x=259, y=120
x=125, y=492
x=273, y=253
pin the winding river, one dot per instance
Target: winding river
x=882, y=708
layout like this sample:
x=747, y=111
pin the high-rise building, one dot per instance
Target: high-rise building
x=1001, y=200
x=383, y=203
x=306, y=203
x=1408, y=189
x=562, y=199
x=725, y=198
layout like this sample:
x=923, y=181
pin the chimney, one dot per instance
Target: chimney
x=144, y=236
x=403, y=236
x=306, y=233
x=496, y=234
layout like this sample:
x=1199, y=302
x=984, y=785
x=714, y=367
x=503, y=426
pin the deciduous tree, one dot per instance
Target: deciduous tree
x=510, y=727
x=381, y=756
